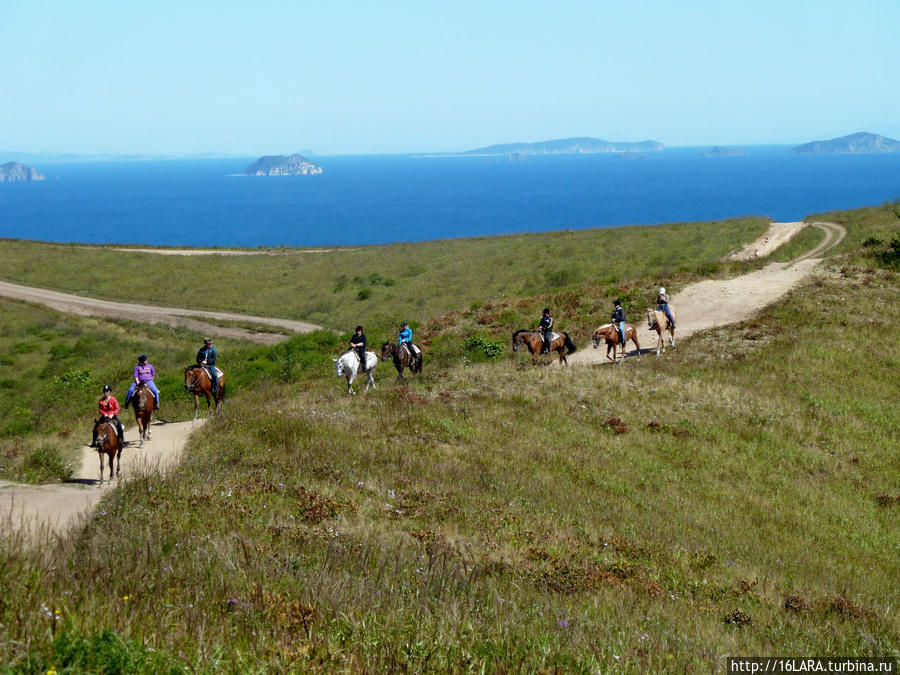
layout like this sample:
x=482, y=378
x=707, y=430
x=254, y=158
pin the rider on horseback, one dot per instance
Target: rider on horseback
x=358, y=342
x=545, y=327
x=108, y=407
x=662, y=303
x=143, y=373
x=206, y=358
x=406, y=340
x=618, y=318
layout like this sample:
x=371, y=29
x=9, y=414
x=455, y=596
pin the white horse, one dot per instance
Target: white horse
x=348, y=366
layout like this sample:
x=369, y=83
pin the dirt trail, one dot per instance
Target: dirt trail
x=172, y=316
x=776, y=235
x=712, y=303
x=32, y=512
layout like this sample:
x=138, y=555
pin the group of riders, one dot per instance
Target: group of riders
x=545, y=326
x=143, y=374
x=404, y=343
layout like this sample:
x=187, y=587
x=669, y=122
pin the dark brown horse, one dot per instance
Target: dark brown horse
x=532, y=339
x=197, y=382
x=610, y=334
x=144, y=404
x=401, y=359
x=108, y=444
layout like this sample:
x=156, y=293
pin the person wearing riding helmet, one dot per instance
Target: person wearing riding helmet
x=143, y=373
x=108, y=408
x=662, y=303
x=618, y=317
x=206, y=357
x=406, y=339
x=545, y=327
x=358, y=342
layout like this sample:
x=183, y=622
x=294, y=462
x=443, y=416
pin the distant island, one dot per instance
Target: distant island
x=722, y=151
x=860, y=143
x=567, y=146
x=13, y=172
x=281, y=165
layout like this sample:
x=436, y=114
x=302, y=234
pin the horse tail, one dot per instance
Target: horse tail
x=569, y=344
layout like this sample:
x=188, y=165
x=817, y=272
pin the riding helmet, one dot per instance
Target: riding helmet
x=546, y=310
x=106, y=388
x=404, y=324
x=618, y=303
x=207, y=341
x=662, y=291
x=359, y=328
x=142, y=358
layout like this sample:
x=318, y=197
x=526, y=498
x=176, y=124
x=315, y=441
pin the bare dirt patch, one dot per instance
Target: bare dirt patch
x=771, y=239
x=189, y=318
x=32, y=512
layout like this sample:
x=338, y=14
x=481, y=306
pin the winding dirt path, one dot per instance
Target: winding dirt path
x=66, y=302
x=711, y=303
x=32, y=513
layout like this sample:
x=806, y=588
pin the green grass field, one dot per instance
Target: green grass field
x=737, y=496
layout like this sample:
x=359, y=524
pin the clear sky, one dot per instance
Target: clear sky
x=370, y=77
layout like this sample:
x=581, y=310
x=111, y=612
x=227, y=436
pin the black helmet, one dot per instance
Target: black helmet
x=359, y=328
x=546, y=310
x=142, y=358
x=618, y=302
x=403, y=324
x=106, y=388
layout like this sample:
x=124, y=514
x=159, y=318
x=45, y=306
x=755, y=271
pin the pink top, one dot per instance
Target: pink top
x=109, y=406
x=144, y=373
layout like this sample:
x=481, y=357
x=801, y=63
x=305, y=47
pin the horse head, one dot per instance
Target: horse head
x=340, y=366
x=651, y=318
x=602, y=333
x=516, y=340
x=190, y=378
x=387, y=351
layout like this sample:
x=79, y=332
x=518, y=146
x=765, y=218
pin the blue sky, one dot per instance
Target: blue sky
x=366, y=77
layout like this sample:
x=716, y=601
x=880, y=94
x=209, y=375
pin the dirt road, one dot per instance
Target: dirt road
x=708, y=304
x=172, y=316
x=34, y=511
x=776, y=235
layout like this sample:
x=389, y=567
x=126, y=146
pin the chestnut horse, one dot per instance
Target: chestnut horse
x=401, y=359
x=658, y=321
x=108, y=444
x=610, y=333
x=532, y=339
x=144, y=404
x=197, y=382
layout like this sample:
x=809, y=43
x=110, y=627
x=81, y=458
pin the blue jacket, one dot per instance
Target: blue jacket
x=406, y=335
x=546, y=324
x=618, y=315
x=207, y=354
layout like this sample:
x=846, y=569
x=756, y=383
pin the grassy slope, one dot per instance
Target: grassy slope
x=424, y=279
x=490, y=517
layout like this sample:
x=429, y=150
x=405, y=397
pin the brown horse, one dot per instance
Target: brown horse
x=401, y=359
x=610, y=333
x=658, y=321
x=532, y=339
x=108, y=444
x=197, y=382
x=144, y=404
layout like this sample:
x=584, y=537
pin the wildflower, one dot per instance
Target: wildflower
x=232, y=601
x=51, y=671
x=126, y=597
x=563, y=623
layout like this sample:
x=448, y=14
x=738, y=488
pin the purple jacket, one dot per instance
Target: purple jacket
x=144, y=373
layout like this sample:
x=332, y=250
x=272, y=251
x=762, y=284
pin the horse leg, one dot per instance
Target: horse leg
x=672, y=336
x=101, y=468
x=118, y=461
x=196, y=405
x=637, y=345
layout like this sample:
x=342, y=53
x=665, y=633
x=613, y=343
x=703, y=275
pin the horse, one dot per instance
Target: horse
x=197, y=382
x=108, y=444
x=658, y=321
x=401, y=359
x=532, y=339
x=610, y=333
x=144, y=404
x=348, y=366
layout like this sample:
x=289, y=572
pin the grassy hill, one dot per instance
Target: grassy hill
x=737, y=496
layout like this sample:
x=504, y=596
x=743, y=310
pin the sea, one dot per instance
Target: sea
x=380, y=199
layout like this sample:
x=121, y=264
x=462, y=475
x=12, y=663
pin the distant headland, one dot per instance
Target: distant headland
x=568, y=146
x=281, y=165
x=722, y=151
x=860, y=143
x=13, y=172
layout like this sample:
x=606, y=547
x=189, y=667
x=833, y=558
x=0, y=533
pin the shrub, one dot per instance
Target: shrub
x=363, y=294
x=46, y=464
x=481, y=348
x=74, y=379
x=891, y=256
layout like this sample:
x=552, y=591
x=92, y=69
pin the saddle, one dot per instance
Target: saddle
x=553, y=335
x=416, y=350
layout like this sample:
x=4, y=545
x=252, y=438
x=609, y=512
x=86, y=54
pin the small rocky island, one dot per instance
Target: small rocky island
x=281, y=165
x=860, y=143
x=722, y=151
x=13, y=172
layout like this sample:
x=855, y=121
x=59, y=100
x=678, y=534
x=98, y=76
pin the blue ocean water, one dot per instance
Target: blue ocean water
x=383, y=199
